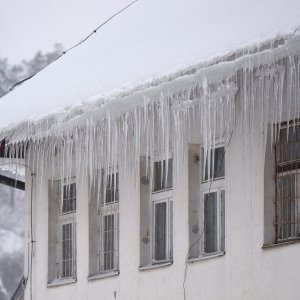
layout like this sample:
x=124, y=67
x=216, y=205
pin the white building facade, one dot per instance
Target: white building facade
x=188, y=189
x=184, y=188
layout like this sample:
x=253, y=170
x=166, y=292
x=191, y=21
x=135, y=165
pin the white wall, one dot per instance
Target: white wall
x=246, y=271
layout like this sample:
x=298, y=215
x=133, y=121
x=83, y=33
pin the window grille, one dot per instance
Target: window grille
x=108, y=211
x=66, y=236
x=287, y=183
x=162, y=211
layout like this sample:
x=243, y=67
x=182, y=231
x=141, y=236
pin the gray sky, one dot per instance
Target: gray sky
x=151, y=39
x=27, y=26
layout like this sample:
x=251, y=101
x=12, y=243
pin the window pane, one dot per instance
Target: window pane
x=217, y=164
x=289, y=144
x=69, y=198
x=287, y=168
x=287, y=203
x=67, y=250
x=210, y=222
x=222, y=220
x=160, y=229
x=163, y=175
x=108, y=241
x=171, y=229
x=112, y=188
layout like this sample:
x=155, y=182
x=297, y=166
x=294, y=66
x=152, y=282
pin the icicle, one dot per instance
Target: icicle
x=200, y=107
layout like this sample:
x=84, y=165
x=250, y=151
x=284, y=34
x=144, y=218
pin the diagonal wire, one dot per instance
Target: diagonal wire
x=69, y=49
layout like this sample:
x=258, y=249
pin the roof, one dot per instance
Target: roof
x=150, y=40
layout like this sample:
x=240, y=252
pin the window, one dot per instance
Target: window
x=66, y=258
x=156, y=212
x=213, y=201
x=62, y=230
x=66, y=268
x=108, y=220
x=69, y=198
x=162, y=211
x=162, y=175
x=215, y=164
x=214, y=222
x=287, y=205
x=206, y=201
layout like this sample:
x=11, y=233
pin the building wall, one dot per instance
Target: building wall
x=246, y=271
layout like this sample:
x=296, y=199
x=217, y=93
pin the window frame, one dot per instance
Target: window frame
x=286, y=168
x=110, y=187
x=212, y=178
x=106, y=209
x=163, y=188
x=209, y=186
x=164, y=195
x=220, y=230
x=68, y=199
x=63, y=219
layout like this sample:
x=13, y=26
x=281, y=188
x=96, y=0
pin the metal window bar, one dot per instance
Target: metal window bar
x=287, y=152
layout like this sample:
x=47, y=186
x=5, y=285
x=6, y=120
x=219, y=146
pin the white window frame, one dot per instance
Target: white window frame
x=162, y=196
x=107, y=209
x=65, y=218
x=209, y=180
x=294, y=227
x=219, y=191
x=209, y=186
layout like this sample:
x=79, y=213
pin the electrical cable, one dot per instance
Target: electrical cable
x=66, y=51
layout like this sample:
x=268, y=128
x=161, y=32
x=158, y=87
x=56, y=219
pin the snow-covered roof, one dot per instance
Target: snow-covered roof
x=14, y=170
x=151, y=40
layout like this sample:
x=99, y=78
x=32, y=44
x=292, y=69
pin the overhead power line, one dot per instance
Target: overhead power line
x=67, y=50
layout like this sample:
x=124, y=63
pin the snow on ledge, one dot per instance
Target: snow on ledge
x=118, y=102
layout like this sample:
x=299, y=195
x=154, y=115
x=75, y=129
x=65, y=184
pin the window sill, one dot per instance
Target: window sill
x=63, y=281
x=156, y=265
x=212, y=180
x=205, y=257
x=279, y=244
x=103, y=275
x=162, y=190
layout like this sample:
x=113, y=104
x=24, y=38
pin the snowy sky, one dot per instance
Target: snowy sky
x=27, y=26
x=150, y=39
x=32, y=25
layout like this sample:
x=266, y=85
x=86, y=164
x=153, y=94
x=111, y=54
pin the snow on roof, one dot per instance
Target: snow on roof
x=151, y=39
x=14, y=170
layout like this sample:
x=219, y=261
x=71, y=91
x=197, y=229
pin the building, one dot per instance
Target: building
x=184, y=187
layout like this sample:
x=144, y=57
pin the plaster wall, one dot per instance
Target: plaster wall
x=246, y=271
